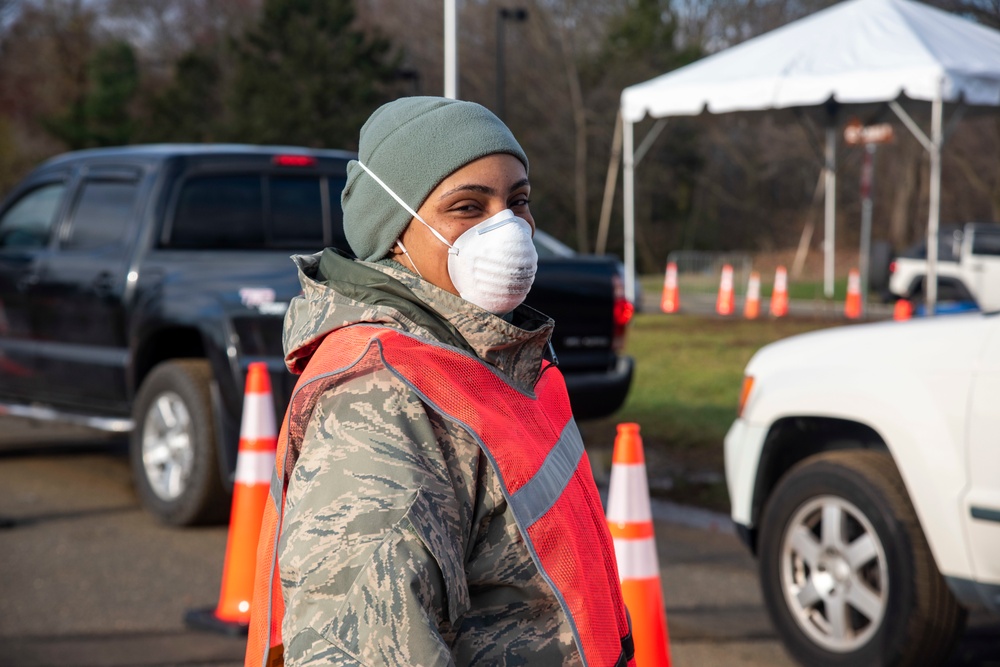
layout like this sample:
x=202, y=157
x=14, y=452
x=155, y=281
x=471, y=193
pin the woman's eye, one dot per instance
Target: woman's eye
x=465, y=207
x=520, y=201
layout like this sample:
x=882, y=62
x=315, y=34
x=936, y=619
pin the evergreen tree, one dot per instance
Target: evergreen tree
x=189, y=108
x=642, y=39
x=101, y=116
x=114, y=79
x=305, y=75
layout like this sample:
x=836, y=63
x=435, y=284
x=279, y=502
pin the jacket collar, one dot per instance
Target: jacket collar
x=387, y=294
x=515, y=345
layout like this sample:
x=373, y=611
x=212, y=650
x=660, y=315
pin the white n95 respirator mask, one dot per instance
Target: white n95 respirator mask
x=492, y=264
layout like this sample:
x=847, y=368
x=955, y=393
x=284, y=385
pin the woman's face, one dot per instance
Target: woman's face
x=468, y=196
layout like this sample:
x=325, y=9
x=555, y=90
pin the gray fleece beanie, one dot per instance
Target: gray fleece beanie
x=413, y=144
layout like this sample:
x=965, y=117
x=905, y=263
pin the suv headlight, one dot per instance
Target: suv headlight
x=744, y=394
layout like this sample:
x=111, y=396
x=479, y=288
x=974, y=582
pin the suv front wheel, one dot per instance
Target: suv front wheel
x=173, y=449
x=846, y=572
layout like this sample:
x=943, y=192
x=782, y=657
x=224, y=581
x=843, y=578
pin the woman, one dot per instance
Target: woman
x=433, y=504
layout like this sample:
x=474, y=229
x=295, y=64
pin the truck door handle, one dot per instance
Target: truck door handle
x=103, y=283
x=27, y=281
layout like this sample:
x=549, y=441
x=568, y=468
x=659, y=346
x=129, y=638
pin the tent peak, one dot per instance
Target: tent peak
x=858, y=51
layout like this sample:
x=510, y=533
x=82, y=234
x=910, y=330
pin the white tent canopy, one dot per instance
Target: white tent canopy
x=858, y=51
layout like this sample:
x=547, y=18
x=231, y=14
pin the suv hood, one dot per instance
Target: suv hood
x=948, y=343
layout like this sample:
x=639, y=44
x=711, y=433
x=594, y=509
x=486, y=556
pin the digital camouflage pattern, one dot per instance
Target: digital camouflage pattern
x=397, y=545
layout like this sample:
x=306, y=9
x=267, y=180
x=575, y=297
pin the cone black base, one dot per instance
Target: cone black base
x=205, y=619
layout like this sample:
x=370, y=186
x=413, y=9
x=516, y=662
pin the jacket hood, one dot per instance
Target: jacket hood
x=338, y=292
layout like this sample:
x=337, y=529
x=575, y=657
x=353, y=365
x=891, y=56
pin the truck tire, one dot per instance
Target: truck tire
x=846, y=572
x=173, y=448
x=879, y=259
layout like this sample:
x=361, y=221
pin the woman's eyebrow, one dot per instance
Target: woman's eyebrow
x=520, y=184
x=471, y=187
x=482, y=189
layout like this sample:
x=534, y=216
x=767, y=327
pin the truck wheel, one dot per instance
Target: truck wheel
x=879, y=259
x=846, y=572
x=173, y=449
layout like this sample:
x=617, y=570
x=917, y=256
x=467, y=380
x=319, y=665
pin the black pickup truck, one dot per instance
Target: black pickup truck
x=137, y=284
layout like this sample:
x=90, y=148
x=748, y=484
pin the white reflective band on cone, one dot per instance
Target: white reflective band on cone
x=258, y=417
x=254, y=467
x=628, y=495
x=636, y=558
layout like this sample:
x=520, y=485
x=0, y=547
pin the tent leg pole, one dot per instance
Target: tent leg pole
x=628, y=209
x=933, y=217
x=610, y=183
x=831, y=211
x=807, y=230
x=867, y=193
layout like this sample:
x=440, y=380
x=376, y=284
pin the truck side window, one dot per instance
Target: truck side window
x=28, y=222
x=219, y=211
x=102, y=215
x=986, y=243
x=296, y=211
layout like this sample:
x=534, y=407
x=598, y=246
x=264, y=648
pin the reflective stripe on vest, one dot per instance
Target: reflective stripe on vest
x=534, y=447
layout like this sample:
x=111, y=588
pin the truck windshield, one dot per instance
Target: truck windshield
x=986, y=243
x=257, y=211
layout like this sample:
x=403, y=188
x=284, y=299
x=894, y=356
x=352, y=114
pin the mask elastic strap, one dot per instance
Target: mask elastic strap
x=412, y=263
x=405, y=206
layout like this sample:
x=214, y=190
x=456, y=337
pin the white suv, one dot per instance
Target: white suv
x=864, y=473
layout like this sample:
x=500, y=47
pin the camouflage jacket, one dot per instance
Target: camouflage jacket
x=397, y=545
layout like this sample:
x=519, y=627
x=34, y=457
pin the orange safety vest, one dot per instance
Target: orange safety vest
x=535, y=449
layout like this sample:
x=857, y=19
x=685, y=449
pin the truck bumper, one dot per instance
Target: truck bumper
x=742, y=448
x=596, y=395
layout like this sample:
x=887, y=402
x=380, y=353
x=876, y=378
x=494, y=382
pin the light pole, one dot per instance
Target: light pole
x=450, y=49
x=503, y=15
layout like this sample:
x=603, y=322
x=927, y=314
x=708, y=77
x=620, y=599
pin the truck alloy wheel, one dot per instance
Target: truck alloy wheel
x=173, y=450
x=846, y=572
x=167, y=446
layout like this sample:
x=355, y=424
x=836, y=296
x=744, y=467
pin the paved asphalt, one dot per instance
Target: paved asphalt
x=88, y=579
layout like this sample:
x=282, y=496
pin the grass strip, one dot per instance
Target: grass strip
x=688, y=374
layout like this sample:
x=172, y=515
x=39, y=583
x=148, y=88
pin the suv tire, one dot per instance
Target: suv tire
x=839, y=535
x=174, y=448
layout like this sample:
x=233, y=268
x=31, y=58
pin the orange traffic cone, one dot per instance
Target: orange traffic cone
x=630, y=522
x=852, y=305
x=779, y=296
x=254, y=464
x=671, y=301
x=751, y=309
x=725, y=304
x=903, y=310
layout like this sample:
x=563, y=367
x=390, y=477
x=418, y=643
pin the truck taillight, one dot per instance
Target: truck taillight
x=622, y=314
x=294, y=160
x=744, y=394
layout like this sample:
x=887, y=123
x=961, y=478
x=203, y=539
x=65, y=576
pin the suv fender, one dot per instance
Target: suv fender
x=833, y=395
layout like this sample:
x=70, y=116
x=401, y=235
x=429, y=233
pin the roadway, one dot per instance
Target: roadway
x=89, y=579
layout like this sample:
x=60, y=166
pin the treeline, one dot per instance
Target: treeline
x=86, y=73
